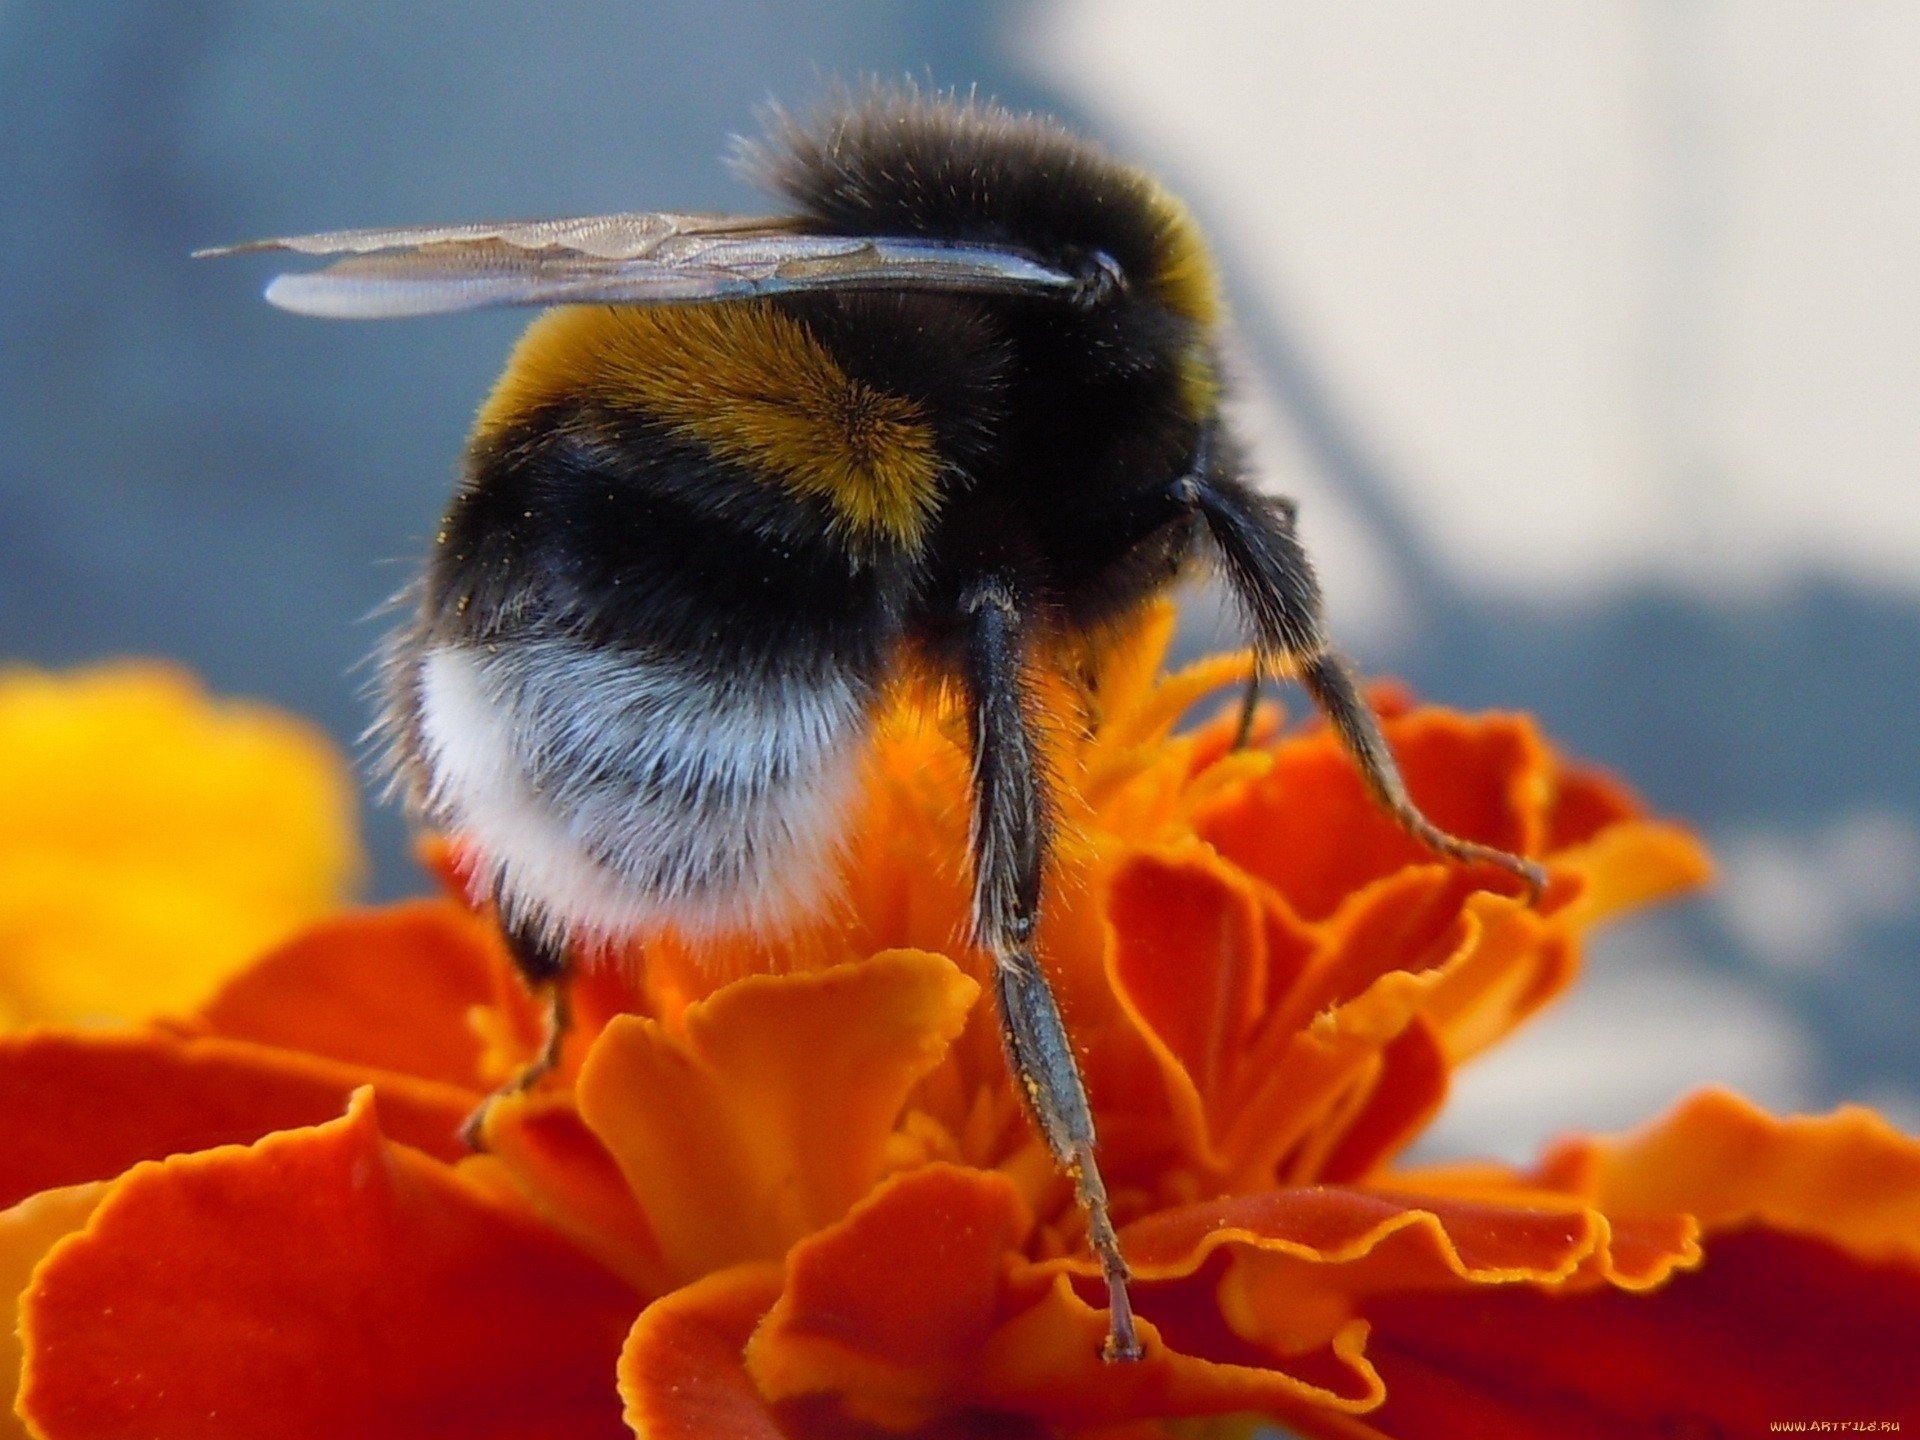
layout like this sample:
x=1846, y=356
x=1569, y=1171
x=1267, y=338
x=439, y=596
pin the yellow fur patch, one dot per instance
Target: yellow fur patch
x=1189, y=285
x=753, y=386
x=1199, y=382
x=1184, y=273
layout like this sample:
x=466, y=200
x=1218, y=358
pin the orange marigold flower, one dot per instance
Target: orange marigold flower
x=793, y=1194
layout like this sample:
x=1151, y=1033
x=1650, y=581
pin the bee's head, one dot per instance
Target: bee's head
x=893, y=161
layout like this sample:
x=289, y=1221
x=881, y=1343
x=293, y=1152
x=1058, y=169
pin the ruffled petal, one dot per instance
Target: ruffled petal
x=766, y=1114
x=1335, y=1239
x=1309, y=829
x=682, y=1376
x=1409, y=922
x=1406, y=1091
x=153, y=840
x=1510, y=962
x=1320, y=1059
x=912, y=1308
x=1773, y=1327
x=1848, y=1178
x=388, y=989
x=80, y=1107
x=1805, y=1308
x=890, y=1308
x=319, y=1283
x=916, y=1308
x=1276, y=1284
x=27, y=1232
x=1421, y=946
x=1256, y=1062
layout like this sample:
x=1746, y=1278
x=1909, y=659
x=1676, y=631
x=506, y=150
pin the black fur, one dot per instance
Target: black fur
x=895, y=162
x=607, y=528
x=1059, y=428
x=1087, y=418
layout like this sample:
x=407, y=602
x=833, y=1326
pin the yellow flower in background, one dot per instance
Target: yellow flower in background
x=152, y=840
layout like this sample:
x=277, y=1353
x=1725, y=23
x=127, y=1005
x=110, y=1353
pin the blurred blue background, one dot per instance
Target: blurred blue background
x=1588, y=337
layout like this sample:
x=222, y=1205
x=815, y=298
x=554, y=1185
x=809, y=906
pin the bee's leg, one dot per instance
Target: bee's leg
x=544, y=965
x=1010, y=842
x=1275, y=585
x=1249, y=702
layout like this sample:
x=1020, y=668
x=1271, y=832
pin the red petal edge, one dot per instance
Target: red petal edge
x=323, y=1282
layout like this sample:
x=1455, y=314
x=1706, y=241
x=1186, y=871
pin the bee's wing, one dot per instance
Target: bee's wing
x=626, y=260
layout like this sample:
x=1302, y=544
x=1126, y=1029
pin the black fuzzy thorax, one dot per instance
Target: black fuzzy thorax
x=896, y=162
x=1056, y=425
x=1090, y=416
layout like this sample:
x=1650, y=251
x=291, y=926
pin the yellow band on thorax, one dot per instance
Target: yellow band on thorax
x=753, y=386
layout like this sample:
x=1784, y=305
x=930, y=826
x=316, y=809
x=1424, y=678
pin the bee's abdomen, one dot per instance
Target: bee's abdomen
x=639, y=685
x=607, y=526
x=605, y=792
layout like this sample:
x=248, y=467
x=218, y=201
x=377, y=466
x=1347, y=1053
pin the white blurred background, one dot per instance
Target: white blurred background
x=1585, y=334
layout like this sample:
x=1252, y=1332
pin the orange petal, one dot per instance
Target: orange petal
x=1044, y=1362
x=1309, y=828
x=79, y=1107
x=1512, y=961
x=916, y=1308
x=27, y=1232
x=1189, y=961
x=388, y=989
x=1773, y=1328
x=1146, y=721
x=1848, y=1178
x=681, y=1372
x=905, y=871
x=767, y=1115
x=1319, y=1058
x=319, y=1283
x=566, y=1175
x=683, y=1377
x=1406, y=1092
x=1442, y=1239
x=1130, y=675
x=890, y=1307
x=1486, y=777
x=1310, y=1084
x=152, y=840
x=1259, y=1299
x=1629, y=865
x=1805, y=1309
x=1276, y=1283
x=1422, y=945
x=1411, y=921
x=1585, y=802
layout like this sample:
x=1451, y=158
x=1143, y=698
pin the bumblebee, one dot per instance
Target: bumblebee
x=956, y=409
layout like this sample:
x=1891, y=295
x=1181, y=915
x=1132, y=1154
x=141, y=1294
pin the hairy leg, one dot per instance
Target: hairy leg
x=1270, y=575
x=546, y=968
x=1010, y=844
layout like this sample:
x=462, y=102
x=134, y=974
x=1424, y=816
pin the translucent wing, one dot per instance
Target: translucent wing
x=628, y=260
